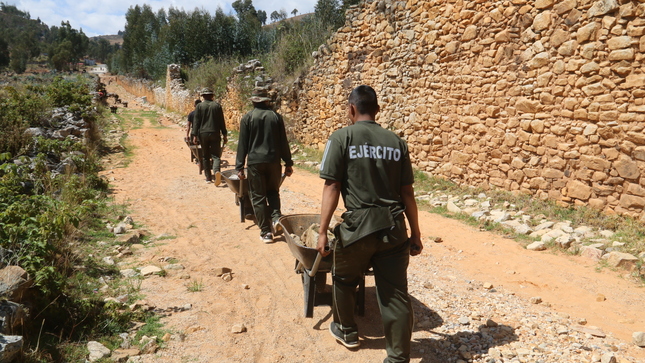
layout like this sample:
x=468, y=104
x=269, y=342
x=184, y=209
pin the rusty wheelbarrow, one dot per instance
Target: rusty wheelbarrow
x=311, y=265
x=241, y=190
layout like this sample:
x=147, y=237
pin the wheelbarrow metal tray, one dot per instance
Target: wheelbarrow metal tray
x=232, y=180
x=297, y=224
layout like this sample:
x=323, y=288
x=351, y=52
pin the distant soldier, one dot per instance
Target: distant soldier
x=208, y=125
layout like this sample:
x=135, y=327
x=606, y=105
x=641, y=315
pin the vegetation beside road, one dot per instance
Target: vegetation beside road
x=53, y=224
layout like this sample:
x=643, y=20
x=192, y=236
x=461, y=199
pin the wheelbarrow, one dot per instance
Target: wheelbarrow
x=241, y=191
x=310, y=264
x=195, y=154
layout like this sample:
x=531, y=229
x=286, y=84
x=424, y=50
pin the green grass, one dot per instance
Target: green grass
x=195, y=286
x=153, y=327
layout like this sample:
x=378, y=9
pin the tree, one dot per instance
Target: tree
x=244, y=7
x=262, y=16
x=294, y=12
x=68, y=46
x=329, y=13
x=4, y=54
x=278, y=15
x=19, y=58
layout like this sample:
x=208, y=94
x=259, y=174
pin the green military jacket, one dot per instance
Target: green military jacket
x=263, y=139
x=209, y=117
x=372, y=164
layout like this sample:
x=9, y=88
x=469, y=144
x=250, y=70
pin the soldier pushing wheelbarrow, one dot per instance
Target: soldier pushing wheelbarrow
x=208, y=125
x=263, y=144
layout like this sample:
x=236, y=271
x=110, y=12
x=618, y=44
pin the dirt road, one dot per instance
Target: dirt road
x=166, y=195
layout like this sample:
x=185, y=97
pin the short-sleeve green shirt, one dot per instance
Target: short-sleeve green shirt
x=371, y=163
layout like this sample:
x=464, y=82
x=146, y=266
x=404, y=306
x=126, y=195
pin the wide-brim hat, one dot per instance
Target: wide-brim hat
x=260, y=95
x=206, y=91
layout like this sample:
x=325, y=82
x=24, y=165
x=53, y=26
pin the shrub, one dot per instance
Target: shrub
x=210, y=73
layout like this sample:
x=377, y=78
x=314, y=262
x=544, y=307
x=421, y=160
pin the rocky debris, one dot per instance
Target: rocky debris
x=173, y=266
x=219, y=271
x=10, y=347
x=97, y=351
x=502, y=327
x=12, y=316
x=129, y=273
x=595, y=331
x=620, y=259
x=639, y=338
x=173, y=309
x=61, y=125
x=238, y=328
x=227, y=277
x=148, y=344
x=585, y=240
x=14, y=281
x=150, y=270
x=536, y=246
x=309, y=238
x=122, y=355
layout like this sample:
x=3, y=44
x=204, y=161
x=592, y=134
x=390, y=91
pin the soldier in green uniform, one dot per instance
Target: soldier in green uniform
x=208, y=124
x=263, y=143
x=370, y=167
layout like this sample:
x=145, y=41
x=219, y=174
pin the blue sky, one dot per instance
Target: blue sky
x=104, y=17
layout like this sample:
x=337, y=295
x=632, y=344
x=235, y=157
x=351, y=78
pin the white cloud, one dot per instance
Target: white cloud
x=103, y=17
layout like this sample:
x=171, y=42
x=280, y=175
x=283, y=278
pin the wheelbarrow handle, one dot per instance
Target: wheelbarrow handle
x=314, y=269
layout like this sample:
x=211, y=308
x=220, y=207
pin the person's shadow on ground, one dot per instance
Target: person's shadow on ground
x=479, y=336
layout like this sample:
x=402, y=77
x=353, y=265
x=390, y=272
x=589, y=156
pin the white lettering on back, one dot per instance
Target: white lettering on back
x=374, y=152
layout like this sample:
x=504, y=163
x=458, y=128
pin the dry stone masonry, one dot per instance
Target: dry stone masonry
x=543, y=97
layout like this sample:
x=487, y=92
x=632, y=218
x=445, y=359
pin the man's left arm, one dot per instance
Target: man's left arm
x=197, y=124
x=220, y=116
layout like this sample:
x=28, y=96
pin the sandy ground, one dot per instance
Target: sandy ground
x=166, y=194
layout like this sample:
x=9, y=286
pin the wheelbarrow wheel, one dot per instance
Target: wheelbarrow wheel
x=309, y=285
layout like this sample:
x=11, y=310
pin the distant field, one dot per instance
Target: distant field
x=113, y=39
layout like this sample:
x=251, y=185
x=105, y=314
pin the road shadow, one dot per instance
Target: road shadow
x=440, y=347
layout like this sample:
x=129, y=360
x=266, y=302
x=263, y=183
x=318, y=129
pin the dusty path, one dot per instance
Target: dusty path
x=165, y=193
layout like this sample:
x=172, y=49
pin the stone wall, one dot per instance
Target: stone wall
x=174, y=96
x=543, y=97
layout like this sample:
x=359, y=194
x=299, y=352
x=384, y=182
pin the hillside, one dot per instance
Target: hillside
x=113, y=39
x=17, y=28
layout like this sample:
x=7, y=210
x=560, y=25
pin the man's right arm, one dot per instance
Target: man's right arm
x=331, y=194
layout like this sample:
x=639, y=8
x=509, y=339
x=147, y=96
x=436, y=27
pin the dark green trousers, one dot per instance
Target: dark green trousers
x=390, y=264
x=264, y=190
x=212, y=151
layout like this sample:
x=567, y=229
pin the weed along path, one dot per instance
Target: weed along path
x=472, y=293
